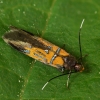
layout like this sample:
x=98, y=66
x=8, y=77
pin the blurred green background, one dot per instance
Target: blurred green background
x=58, y=21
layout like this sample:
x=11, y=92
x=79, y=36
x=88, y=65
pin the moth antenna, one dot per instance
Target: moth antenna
x=80, y=40
x=54, y=78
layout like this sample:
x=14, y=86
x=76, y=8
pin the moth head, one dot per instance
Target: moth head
x=70, y=63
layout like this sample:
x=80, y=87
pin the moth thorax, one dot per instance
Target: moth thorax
x=70, y=62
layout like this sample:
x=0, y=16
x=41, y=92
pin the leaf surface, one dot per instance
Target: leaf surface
x=58, y=21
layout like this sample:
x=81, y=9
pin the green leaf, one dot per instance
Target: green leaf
x=58, y=21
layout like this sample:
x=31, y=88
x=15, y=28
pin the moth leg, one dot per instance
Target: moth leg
x=82, y=57
x=63, y=47
x=35, y=61
x=68, y=78
x=61, y=69
x=38, y=33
